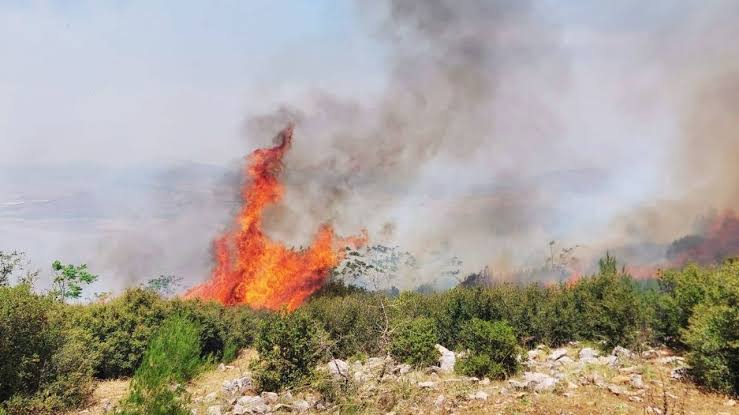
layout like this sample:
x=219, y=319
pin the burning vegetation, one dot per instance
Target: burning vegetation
x=255, y=270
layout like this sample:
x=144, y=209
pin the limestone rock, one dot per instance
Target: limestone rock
x=440, y=401
x=253, y=404
x=447, y=360
x=588, y=354
x=339, y=369
x=478, y=396
x=556, y=354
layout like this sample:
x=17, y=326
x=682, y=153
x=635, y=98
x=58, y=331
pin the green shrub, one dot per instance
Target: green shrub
x=491, y=349
x=172, y=358
x=288, y=346
x=44, y=369
x=683, y=289
x=414, y=341
x=122, y=329
x=608, y=306
x=713, y=341
x=352, y=322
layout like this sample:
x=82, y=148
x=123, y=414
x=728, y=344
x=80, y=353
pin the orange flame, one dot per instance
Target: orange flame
x=251, y=268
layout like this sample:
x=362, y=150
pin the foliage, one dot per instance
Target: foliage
x=491, y=348
x=68, y=279
x=413, y=342
x=608, y=306
x=289, y=347
x=350, y=320
x=172, y=358
x=122, y=329
x=164, y=285
x=44, y=369
x=713, y=341
x=11, y=263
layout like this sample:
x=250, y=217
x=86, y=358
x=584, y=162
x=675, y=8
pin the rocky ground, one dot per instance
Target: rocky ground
x=576, y=379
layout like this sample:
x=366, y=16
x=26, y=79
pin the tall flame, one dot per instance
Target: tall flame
x=253, y=269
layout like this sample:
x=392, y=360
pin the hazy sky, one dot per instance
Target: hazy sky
x=123, y=81
x=470, y=116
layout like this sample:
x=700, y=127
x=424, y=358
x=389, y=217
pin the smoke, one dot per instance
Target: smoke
x=504, y=125
x=477, y=129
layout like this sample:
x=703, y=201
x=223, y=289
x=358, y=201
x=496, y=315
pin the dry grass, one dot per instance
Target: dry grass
x=106, y=395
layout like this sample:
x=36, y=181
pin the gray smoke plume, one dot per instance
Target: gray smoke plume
x=505, y=125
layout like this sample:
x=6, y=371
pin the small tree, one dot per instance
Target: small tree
x=13, y=262
x=164, y=285
x=491, y=349
x=69, y=278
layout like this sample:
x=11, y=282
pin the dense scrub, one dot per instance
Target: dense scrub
x=171, y=359
x=491, y=349
x=51, y=351
x=44, y=368
x=414, y=341
x=289, y=347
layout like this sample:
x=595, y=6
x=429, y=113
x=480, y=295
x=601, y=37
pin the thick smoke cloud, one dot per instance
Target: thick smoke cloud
x=505, y=125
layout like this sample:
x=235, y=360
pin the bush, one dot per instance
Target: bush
x=414, y=341
x=122, y=329
x=491, y=349
x=172, y=358
x=44, y=369
x=288, y=347
x=609, y=306
x=713, y=339
x=352, y=321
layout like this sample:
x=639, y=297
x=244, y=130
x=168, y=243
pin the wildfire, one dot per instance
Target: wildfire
x=251, y=268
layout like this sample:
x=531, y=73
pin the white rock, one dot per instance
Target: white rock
x=210, y=397
x=301, y=405
x=339, y=369
x=588, y=353
x=607, y=360
x=565, y=360
x=239, y=410
x=238, y=385
x=671, y=360
x=636, y=381
x=534, y=354
x=621, y=352
x=447, y=360
x=270, y=397
x=539, y=382
x=730, y=402
x=616, y=390
x=557, y=354
x=479, y=396
x=426, y=385
x=214, y=410
x=403, y=368
x=254, y=404
x=440, y=401
x=485, y=381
